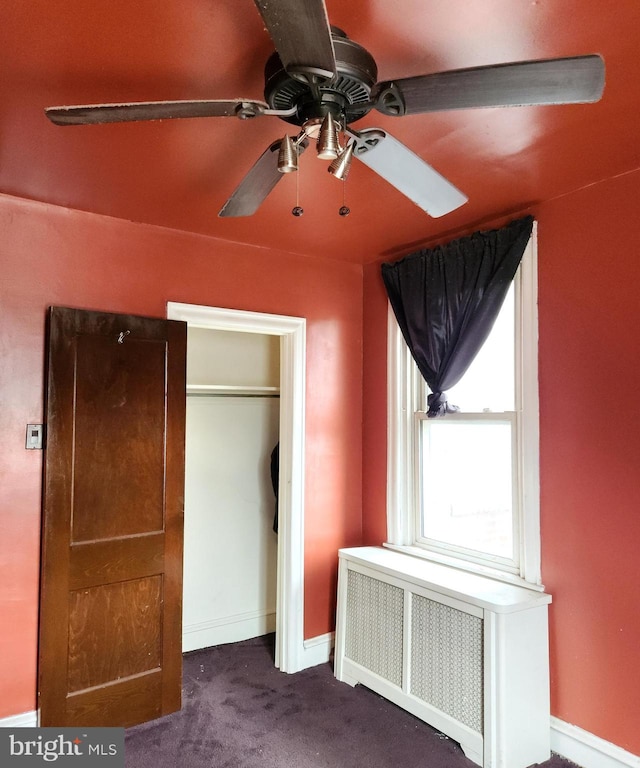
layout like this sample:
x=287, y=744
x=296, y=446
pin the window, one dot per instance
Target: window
x=464, y=489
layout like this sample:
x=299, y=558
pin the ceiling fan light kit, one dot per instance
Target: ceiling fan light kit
x=328, y=147
x=322, y=81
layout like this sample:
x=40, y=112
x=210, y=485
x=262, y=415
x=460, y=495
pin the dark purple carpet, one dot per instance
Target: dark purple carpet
x=239, y=711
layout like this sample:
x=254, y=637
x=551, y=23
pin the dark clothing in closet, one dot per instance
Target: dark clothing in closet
x=275, y=474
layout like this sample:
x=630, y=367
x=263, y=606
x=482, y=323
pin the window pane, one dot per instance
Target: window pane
x=466, y=490
x=489, y=383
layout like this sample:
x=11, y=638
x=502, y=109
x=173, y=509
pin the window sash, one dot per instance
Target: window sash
x=421, y=538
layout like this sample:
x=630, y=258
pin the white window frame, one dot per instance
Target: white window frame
x=404, y=389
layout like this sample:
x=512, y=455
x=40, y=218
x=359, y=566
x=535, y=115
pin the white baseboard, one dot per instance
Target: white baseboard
x=24, y=720
x=587, y=750
x=228, y=629
x=317, y=650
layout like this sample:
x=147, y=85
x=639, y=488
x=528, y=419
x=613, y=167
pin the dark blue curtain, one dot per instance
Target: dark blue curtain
x=446, y=300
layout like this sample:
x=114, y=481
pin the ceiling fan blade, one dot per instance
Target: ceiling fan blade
x=407, y=172
x=90, y=114
x=258, y=183
x=574, y=80
x=301, y=33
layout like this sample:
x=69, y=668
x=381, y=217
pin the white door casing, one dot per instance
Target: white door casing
x=292, y=333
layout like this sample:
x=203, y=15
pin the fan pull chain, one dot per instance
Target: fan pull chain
x=297, y=210
x=344, y=209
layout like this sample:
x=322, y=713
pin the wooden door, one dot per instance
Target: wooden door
x=111, y=579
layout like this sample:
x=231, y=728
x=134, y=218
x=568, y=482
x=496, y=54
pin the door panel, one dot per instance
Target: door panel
x=115, y=382
x=100, y=652
x=111, y=592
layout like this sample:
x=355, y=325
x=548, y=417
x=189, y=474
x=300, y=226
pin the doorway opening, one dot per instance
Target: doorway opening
x=289, y=642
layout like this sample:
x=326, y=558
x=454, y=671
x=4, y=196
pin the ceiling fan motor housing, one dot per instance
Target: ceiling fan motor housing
x=346, y=96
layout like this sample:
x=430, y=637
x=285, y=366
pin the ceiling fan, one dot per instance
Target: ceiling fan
x=322, y=81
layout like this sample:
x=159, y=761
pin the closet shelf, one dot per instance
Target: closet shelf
x=229, y=390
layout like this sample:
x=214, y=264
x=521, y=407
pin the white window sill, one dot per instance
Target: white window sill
x=464, y=565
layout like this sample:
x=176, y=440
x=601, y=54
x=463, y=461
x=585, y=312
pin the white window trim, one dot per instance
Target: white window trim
x=403, y=388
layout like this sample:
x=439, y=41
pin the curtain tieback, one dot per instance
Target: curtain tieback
x=439, y=405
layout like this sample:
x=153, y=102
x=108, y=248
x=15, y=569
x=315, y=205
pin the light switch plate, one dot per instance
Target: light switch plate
x=34, y=437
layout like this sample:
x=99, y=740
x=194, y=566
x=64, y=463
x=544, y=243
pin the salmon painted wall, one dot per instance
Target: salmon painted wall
x=52, y=255
x=589, y=315
x=589, y=370
x=374, y=427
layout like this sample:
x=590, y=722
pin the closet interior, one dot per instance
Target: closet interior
x=230, y=545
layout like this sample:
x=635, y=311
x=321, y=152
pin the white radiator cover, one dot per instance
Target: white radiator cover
x=467, y=654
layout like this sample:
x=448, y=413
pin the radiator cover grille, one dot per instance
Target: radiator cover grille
x=374, y=634
x=447, y=660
